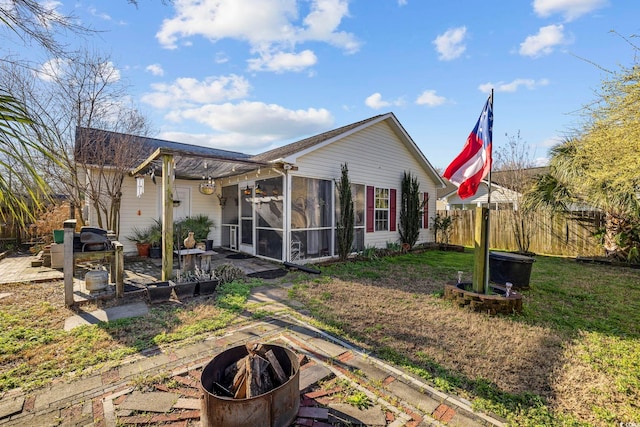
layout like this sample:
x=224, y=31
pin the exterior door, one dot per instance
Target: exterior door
x=181, y=210
x=246, y=219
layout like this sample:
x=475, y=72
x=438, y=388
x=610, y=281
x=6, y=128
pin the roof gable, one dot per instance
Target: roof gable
x=289, y=153
x=311, y=142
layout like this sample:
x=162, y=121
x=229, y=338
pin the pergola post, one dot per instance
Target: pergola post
x=167, y=217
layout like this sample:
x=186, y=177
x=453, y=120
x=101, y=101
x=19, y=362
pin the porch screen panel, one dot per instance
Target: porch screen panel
x=230, y=220
x=229, y=202
x=311, y=217
x=246, y=216
x=268, y=205
x=269, y=243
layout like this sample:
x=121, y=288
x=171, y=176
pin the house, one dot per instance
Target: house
x=280, y=204
x=501, y=197
x=504, y=194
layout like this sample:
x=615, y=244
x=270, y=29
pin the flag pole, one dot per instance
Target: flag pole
x=488, y=225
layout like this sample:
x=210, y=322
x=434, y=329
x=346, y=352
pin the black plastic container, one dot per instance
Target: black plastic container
x=507, y=267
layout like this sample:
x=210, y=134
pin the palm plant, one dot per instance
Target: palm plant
x=22, y=188
x=568, y=186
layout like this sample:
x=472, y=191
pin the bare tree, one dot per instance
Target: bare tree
x=34, y=24
x=84, y=91
x=514, y=162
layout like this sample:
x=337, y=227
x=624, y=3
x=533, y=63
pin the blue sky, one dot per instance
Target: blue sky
x=250, y=75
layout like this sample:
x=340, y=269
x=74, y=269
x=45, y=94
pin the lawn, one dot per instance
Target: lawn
x=35, y=349
x=571, y=358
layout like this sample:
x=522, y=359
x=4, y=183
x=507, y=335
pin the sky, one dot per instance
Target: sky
x=251, y=75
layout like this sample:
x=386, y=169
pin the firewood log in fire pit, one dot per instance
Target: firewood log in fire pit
x=257, y=373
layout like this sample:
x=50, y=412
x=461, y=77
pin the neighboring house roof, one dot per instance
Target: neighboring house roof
x=448, y=189
x=500, y=178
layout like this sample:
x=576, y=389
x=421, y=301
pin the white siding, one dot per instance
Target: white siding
x=376, y=157
x=141, y=212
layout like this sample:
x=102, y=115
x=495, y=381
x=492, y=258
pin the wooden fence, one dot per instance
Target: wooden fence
x=552, y=234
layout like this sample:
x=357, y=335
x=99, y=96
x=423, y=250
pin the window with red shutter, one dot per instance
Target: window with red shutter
x=370, y=209
x=392, y=210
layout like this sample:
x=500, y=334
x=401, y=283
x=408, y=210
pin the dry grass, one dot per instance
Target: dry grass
x=573, y=357
x=514, y=356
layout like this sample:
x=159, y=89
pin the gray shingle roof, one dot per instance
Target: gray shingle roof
x=303, y=144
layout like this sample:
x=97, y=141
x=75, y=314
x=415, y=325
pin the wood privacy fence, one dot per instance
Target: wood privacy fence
x=552, y=234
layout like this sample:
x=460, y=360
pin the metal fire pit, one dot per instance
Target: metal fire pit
x=276, y=408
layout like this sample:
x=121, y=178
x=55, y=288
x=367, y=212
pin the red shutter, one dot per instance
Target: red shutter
x=425, y=210
x=392, y=210
x=370, y=209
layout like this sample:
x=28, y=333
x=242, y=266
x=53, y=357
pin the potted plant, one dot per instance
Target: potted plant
x=207, y=281
x=200, y=225
x=155, y=238
x=141, y=238
x=185, y=286
x=159, y=291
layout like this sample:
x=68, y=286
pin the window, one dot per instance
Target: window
x=381, y=209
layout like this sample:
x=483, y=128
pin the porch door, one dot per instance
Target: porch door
x=246, y=219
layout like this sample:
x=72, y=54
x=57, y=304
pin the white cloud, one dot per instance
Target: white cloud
x=281, y=61
x=51, y=16
x=155, y=69
x=229, y=141
x=102, y=15
x=187, y=91
x=543, y=43
x=429, y=98
x=513, y=86
x=270, y=27
x=569, y=9
x=376, y=102
x=552, y=142
x=50, y=69
x=450, y=45
x=56, y=67
x=221, y=58
x=254, y=123
x=402, y=2
x=322, y=23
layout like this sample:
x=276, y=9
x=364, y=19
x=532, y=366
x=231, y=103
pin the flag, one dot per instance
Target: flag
x=474, y=162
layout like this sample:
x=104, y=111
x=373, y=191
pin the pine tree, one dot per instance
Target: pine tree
x=345, y=221
x=410, y=210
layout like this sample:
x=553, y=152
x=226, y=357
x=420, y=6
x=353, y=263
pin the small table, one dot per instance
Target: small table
x=205, y=259
x=187, y=261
